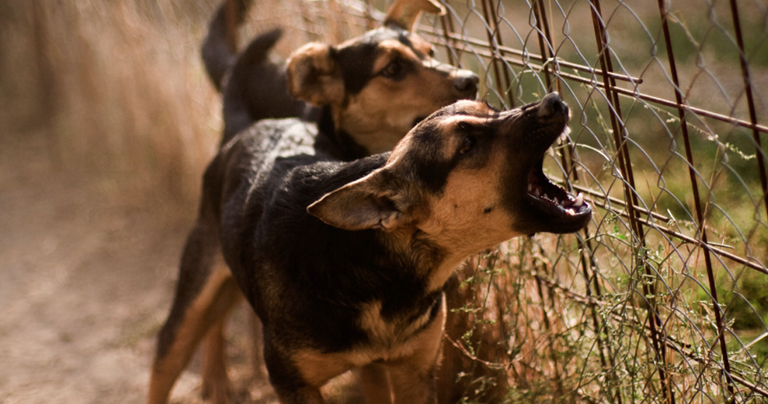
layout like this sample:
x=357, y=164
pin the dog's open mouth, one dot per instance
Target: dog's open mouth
x=554, y=199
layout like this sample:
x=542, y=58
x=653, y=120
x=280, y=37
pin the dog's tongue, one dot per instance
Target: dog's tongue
x=553, y=197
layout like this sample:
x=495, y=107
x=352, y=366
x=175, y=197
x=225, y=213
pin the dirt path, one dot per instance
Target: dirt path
x=85, y=282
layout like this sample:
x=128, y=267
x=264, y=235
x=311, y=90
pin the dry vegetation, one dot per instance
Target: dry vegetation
x=116, y=89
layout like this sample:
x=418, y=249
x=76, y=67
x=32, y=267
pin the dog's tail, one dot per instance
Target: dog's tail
x=219, y=49
x=257, y=88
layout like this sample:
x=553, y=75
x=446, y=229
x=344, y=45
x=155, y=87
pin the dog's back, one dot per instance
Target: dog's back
x=238, y=173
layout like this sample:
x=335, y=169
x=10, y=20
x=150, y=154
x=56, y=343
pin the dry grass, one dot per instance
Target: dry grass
x=116, y=89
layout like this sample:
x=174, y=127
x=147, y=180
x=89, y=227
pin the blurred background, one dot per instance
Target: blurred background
x=107, y=120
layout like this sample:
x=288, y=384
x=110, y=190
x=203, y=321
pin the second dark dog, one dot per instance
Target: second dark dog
x=367, y=92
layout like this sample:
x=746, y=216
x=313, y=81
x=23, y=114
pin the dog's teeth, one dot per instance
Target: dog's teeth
x=579, y=200
x=530, y=187
x=570, y=212
x=546, y=196
x=537, y=192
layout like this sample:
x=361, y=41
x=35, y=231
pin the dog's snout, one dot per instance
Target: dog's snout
x=551, y=104
x=466, y=82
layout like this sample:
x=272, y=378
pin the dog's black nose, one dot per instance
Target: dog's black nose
x=466, y=83
x=551, y=104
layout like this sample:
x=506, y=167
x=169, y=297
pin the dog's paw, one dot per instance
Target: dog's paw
x=217, y=388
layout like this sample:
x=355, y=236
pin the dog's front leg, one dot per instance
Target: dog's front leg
x=217, y=387
x=413, y=376
x=289, y=382
x=377, y=387
x=205, y=292
x=291, y=388
x=414, y=385
x=302, y=395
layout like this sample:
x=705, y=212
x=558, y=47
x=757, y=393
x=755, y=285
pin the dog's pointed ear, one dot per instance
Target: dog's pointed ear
x=314, y=75
x=405, y=13
x=372, y=202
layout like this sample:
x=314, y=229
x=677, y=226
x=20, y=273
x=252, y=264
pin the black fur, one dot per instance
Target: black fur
x=267, y=171
x=257, y=89
x=218, y=57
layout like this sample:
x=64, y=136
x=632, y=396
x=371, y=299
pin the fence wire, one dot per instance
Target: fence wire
x=664, y=296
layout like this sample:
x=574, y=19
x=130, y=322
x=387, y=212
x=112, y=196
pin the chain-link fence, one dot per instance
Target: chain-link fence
x=664, y=297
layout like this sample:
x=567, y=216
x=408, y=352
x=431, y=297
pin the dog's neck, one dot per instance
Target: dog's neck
x=432, y=262
x=334, y=141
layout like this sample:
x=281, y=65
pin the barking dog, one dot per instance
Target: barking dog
x=345, y=262
x=365, y=94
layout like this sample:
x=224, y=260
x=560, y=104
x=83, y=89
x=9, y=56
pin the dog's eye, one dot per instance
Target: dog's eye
x=393, y=69
x=431, y=52
x=467, y=144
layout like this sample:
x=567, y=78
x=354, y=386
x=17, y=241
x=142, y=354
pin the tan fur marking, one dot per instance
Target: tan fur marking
x=376, y=384
x=313, y=75
x=317, y=368
x=415, y=351
x=420, y=44
x=391, y=49
x=458, y=221
x=218, y=296
x=411, y=376
x=385, y=110
x=384, y=333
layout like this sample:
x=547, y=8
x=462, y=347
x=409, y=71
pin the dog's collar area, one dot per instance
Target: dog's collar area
x=552, y=197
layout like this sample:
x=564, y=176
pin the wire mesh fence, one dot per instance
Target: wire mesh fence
x=664, y=297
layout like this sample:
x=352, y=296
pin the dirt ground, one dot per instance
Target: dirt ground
x=86, y=280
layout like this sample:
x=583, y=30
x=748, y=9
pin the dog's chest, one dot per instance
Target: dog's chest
x=387, y=332
x=389, y=342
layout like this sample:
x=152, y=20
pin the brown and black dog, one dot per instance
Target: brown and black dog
x=345, y=262
x=367, y=92
x=364, y=95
